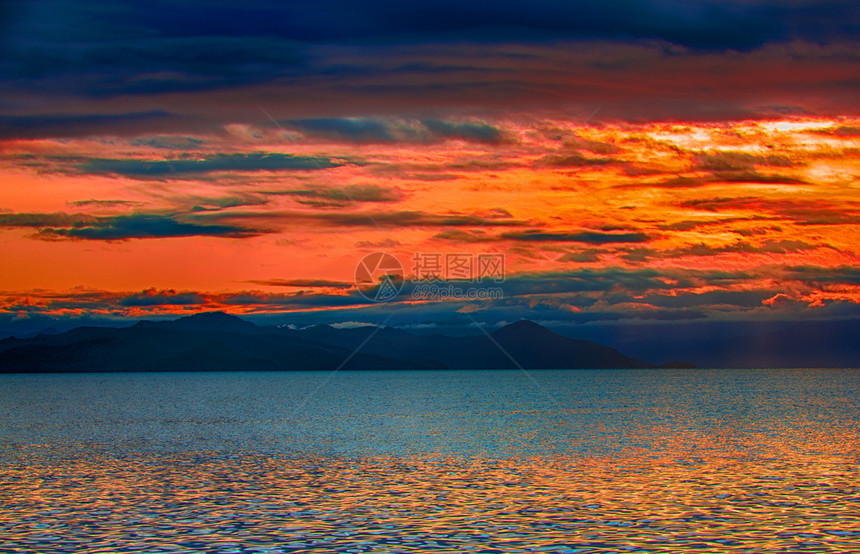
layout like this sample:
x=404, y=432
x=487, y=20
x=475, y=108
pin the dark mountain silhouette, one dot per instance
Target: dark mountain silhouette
x=742, y=344
x=206, y=321
x=808, y=344
x=217, y=341
x=204, y=342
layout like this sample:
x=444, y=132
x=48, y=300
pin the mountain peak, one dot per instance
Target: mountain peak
x=210, y=316
x=522, y=328
x=217, y=321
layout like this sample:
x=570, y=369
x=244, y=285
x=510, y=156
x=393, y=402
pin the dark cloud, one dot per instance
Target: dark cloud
x=583, y=256
x=573, y=159
x=361, y=130
x=342, y=196
x=598, y=280
x=728, y=161
x=679, y=182
x=587, y=237
x=169, y=142
x=302, y=283
x=363, y=219
x=384, y=243
x=711, y=299
x=755, y=177
x=690, y=224
x=132, y=226
x=594, y=146
x=476, y=132
x=317, y=63
x=370, y=130
x=153, y=297
x=802, y=212
x=458, y=235
x=734, y=176
x=743, y=247
x=841, y=131
x=816, y=275
x=257, y=161
x=69, y=125
x=640, y=255
x=418, y=219
x=204, y=204
x=710, y=24
x=105, y=204
x=136, y=61
x=56, y=219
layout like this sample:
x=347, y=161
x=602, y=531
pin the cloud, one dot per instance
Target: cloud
x=816, y=275
x=585, y=237
x=710, y=25
x=384, y=243
x=337, y=70
x=153, y=297
x=717, y=177
x=458, y=235
x=343, y=195
x=105, y=204
x=70, y=125
x=770, y=246
x=743, y=247
x=583, y=256
x=376, y=130
x=302, y=283
x=597, y=147
x=208, y=217
x=755, y=177
x=133, y=226
x=56, y=219
x=361, y=130
x=256, y=161
x=802, y=212
x=476, y=132
x=170, y=142
x=366, y=218
x=210, y=203
x=574, y=159
x=841, y=131
x=728, y=161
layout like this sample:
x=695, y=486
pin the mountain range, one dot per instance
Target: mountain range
x=216, y=341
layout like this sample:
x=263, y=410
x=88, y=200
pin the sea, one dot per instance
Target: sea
x=573, y=461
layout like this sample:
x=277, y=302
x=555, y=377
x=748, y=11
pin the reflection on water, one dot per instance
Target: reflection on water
x=628, y=461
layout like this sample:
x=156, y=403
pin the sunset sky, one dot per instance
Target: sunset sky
x=634, y=161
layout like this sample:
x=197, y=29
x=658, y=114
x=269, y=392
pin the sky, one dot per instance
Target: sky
x=631, y=161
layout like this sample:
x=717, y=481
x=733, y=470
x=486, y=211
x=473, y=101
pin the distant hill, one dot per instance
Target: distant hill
x=217, y=341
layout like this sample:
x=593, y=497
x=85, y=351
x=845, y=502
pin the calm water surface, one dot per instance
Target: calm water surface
x=459, y=461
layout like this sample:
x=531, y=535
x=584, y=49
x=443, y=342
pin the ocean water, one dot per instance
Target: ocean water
x=449, y=461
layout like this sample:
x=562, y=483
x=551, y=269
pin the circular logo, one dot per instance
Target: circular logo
x=379, y=276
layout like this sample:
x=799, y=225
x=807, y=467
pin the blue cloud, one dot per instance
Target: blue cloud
x=477, y=132
x=123, y=227
x=345, y=129
x=65, y=125
x=258, y=161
